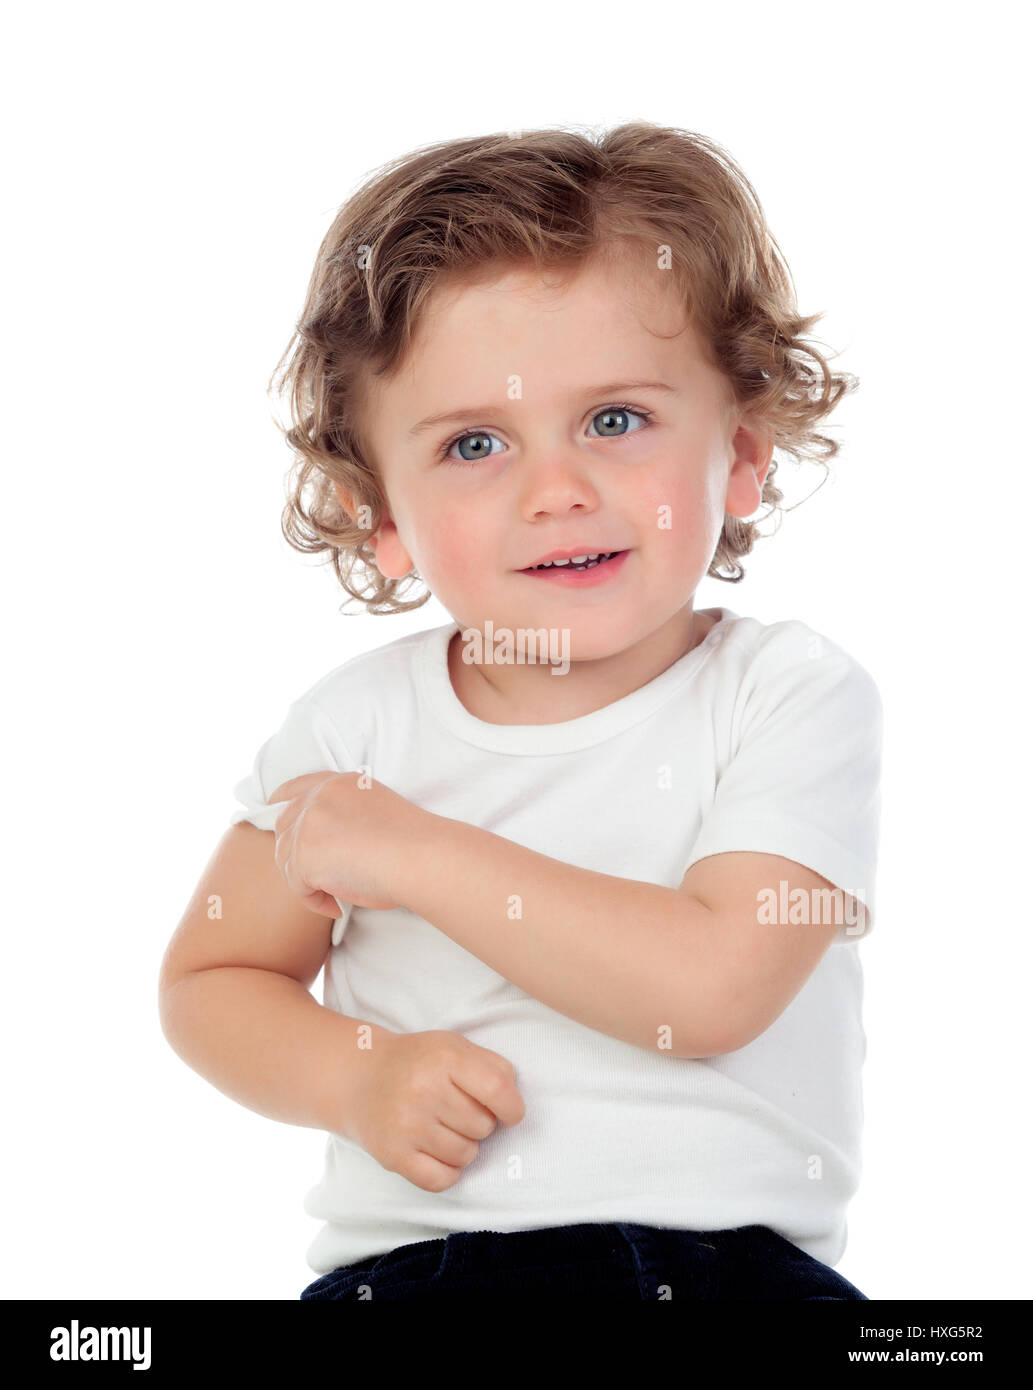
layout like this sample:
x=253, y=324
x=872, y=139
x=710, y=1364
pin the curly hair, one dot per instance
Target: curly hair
x=549, y=198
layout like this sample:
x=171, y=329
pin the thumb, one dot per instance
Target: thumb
x=322, y=903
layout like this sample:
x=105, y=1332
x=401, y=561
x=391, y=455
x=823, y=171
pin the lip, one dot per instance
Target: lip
x=568, y=555
x=580, y=579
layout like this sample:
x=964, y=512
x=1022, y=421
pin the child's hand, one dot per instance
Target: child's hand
x=427, y=1102
x=339, y=840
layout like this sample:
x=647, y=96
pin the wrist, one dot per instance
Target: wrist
x=350, y=1073
x=426, y=852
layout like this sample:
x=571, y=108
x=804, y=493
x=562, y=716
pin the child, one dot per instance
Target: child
x=587, y=867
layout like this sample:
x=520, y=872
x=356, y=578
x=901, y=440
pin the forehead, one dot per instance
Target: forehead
x=613, y=317
x=616, y=289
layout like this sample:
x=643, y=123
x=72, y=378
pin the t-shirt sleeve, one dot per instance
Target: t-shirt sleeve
x=803, y=781
x=306, y=741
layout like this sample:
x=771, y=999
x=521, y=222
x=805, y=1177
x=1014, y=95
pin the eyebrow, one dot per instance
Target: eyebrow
x=473, y=412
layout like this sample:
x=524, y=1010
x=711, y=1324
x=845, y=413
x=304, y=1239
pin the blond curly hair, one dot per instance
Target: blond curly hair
x=548, y=198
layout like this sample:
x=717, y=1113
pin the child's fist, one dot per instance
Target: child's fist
x=427, y=1101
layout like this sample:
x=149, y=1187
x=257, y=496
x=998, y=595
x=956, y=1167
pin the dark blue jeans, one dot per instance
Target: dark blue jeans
x=612, y=1260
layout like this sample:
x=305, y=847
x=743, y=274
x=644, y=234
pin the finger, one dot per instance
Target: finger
x=297, y=786
x=448, y=1147
x=425, y=1172
x=282, y=844
x=286, y=862
x=290, y=813
x=322, y=903
x=283, y=863
x=467, y=1116
x=494, y=1089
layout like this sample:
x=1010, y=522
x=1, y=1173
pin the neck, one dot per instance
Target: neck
x=512, y=693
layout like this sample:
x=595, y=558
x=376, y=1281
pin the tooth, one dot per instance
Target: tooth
x=596, y=558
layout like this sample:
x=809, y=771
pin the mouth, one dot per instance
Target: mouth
x=588, y=572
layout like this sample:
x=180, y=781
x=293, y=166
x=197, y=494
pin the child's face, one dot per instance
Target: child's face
x=553, y=475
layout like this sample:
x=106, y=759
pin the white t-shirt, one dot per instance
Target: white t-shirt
x=764, y=737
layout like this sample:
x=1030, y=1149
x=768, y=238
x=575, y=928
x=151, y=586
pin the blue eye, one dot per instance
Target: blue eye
x=471, y=434
x=480, y=435
x=621, y=410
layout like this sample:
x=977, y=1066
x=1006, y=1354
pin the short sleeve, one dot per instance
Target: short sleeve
x=803, y=781
x=306, y=741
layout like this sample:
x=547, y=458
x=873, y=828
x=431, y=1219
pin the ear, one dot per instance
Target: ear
x=392, y=559
x=753, y=449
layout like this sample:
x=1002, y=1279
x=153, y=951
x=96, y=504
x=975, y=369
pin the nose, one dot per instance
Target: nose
x=555, y=481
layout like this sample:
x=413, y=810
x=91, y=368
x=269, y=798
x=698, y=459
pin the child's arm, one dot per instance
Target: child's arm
x=234, y=999
x=658, y=967
x=635, y=960
x=706, y=967
x=695, y=970
x=235, y=1006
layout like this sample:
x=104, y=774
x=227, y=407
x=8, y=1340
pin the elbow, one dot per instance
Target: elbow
x=165, y=1011
x=717, y=1044
x=163, y=993
x=166, y=983
x=736, y=1031
x=724, y=1030
x=170, y=1001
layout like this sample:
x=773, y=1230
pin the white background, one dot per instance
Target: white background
x=170, y=171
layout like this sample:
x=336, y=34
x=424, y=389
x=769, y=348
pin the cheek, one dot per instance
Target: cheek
x=676, y=503
x=452, y=544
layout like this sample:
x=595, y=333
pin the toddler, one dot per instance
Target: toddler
x=585, y=868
